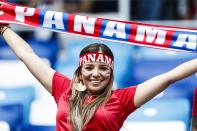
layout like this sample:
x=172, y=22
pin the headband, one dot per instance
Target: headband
x=96, y=57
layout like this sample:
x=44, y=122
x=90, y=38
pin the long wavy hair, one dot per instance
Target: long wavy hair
x=80, y=113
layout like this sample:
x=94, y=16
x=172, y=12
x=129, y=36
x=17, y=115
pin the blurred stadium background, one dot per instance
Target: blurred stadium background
x=26, y=106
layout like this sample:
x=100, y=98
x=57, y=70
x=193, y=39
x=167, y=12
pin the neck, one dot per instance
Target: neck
x=89, y=93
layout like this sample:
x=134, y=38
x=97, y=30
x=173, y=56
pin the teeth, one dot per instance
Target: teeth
x=95, y=81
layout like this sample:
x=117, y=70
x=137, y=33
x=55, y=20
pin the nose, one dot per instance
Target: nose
x=96, y=72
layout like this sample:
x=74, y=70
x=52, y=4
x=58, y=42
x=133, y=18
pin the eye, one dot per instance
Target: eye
x=104, y=68
x=88, y=67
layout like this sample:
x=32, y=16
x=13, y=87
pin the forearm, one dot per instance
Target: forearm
x=182, y=71
x=16, y=43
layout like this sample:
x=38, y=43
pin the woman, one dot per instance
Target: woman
x=87, y=102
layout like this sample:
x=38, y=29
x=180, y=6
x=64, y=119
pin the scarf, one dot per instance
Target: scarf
x=148, y=35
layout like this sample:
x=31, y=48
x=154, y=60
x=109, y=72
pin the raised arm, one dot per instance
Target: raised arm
x=154, y=86
x=42, y=72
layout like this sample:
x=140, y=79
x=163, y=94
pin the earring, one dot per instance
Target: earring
x=79, y=86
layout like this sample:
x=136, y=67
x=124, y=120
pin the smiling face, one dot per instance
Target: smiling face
x=95, y=77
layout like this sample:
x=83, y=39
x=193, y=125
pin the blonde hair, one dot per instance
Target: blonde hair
x=80, y=114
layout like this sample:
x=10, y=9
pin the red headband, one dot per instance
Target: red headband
x=96, y=57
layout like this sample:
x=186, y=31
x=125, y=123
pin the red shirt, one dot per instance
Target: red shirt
x=194, y=112
x=108, y=117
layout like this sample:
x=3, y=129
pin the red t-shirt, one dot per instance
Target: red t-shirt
x=108, y=117
x=194, y=112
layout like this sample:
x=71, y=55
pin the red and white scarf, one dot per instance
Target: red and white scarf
x=164, y=37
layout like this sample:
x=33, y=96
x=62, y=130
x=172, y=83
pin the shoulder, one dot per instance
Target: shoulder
x=61, y=84
x=125, y=94
x=58, y=77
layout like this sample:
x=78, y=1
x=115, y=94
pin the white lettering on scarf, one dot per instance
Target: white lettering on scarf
x=189, y=41
x=84, y=22
x=53, y=18
x=119, y=31
x=21, y=12
x=150, y=34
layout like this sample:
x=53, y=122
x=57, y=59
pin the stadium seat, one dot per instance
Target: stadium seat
x=18, y=77
x=11, y=116
x=22, y=95
x=37, y=128
x=39, y=115
x=4, y=126
x=160, y=115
